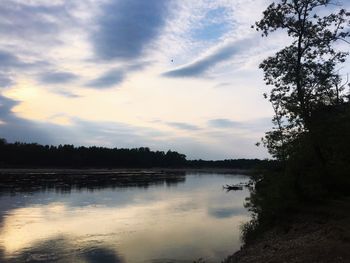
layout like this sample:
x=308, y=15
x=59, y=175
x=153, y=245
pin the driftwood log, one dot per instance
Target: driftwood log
x=233, y=187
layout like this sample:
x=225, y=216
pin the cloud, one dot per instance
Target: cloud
x=8, y=60
x=223, y=85
x=67, y=94
x=224, y=123
x=207, y=62
x=115, y=77
x=260, y=124
x=126, y=28
x=122, y=135
x=108, y=79
x=5, y=80
x=79, y=132
x=5, y=107
x=183, y=126
x=31, y=20
x=57, y=77
x=14, y=128
x=105, y=41
x=115, y=134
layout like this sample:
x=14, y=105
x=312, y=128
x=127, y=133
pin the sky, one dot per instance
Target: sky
x=164, y=74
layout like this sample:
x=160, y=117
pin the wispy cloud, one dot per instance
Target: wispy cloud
x=223, y=85
x=11, y=61
x=57, y=77
x=201, y=66
x=107, y=80
x=115, y=77
x=32, y=21
x=224, y=123
x=126, y=28
x=67, y=94
x=183, y=126
x=5, y=80
x=260, y=124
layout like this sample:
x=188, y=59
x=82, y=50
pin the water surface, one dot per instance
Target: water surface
x=177, y=220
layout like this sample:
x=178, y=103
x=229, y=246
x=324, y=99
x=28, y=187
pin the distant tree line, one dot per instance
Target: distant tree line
x=229, y=163
x=33, y=155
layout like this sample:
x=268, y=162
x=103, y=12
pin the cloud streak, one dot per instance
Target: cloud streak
x=57, y=77
x=201, y=66
x=261, y=124
x=67, y=94
x=9, y=61
x=115, y=77
x=107, y=80
x=183, y=126
x=224, y=123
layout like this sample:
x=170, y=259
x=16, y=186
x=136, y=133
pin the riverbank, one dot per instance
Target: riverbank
x=316, y=234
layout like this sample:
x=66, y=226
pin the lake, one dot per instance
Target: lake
x=178, y=218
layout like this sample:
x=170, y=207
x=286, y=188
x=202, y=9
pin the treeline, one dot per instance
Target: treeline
x=33, y=155
x=230, y=163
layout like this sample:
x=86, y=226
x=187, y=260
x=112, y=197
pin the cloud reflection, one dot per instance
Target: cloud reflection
x=156, y=223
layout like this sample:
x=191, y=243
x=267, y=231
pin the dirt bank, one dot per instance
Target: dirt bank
x=315, y=235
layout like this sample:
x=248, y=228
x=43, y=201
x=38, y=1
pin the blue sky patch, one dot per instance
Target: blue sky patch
x=212, y=26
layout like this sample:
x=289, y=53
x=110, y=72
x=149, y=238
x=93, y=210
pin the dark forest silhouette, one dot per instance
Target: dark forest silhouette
x=33, y=155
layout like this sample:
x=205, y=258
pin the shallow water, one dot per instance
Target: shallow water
x=181, y=221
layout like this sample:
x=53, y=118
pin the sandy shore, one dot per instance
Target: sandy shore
x=318, y=235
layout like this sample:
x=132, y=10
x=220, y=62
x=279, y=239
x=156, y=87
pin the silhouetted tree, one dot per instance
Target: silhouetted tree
x=304, y=74
x=312, y=114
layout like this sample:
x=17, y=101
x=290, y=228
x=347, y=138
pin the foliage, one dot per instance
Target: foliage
x=304, y=75
x=312, y=114
x=35, y=155
x=228, y=163
x=283, y=189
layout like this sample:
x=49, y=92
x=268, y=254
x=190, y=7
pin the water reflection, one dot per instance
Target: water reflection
x=225, y=212
x=64, y=181
x=61, y=249
x=135, y=224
